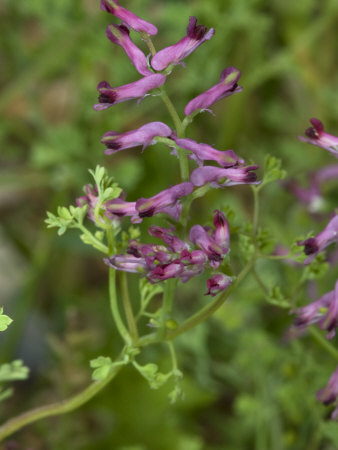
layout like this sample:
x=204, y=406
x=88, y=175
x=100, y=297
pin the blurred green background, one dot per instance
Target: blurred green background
x=245, y=386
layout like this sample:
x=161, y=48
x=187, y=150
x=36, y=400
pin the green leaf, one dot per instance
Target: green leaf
x=155, y=378
x=276, y=297
x=246, y=246
x=13, y=371
x=5, y=321
x=317, y=268
x=102, y=366
x=272, y=170
x=4, y=394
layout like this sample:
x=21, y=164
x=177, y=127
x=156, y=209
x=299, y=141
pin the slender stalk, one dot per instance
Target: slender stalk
x=168, y=298
x=209, y=309
x=127, y=306
x=115, y=309
x=323, y=342
x=173, y=355
x=57, y=408
x=98, y=244
x=256, y=210
x=259, y=281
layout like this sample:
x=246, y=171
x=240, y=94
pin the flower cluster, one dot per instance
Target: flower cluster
x=179, y=259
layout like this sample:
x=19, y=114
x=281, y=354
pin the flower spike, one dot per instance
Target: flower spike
x=119, y=34
x=317, y=136
x=227, y=86
x=196, y=35
x=138, y=89
x=140, y=25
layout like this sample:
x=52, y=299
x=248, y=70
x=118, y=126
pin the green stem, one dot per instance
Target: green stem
x=323, y=342
x=173, y=355
x=127, y=307
x=115, y=309
x=168, y=298
x=259, y=281
x=256, y=211
x=209, y=309
x=55, y=409
x=98, y=244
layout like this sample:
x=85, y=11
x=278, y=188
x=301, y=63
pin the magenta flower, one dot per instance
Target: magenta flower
x=166, y=201
x=120, y=208
x=329, y=394
x=90, y=198
x=119, y=34
x=138, y=89
x=217, y=283
x=128, y=17
x=317, y=136
x=167, y=235
x=219, y=177
x=222, y=232
x=166, y=271
x=126, y=263
x=196, y=35
x=204, y=152
x=213, y=250
x=227, y=86
x=323, y=311
x=313, y=246
x=144, y=136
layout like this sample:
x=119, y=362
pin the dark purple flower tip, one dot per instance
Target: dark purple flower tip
x=160, y=202
x=128, y=17
x=196, y=35
x=317, y=136
x=138, y=89
x=204, y=152
x=329, y=235
x=222, y=232
x=143, y=136
x=216, y=176
x=217, y=283
x=227, y=86
x=167, y=235
x=119, y=34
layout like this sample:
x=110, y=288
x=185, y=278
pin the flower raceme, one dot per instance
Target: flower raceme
x=177, y=259
x=317, y=136
x=140, y=25
x=314, y=245
x=196, y=35
x=137, y=89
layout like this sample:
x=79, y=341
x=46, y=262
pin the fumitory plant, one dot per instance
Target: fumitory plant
x=221, y=251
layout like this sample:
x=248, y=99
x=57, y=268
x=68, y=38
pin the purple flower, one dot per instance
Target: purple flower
x=166, y=271
x=222, y=232
x=324, y=311
x=138, y=89
x=329, y=394
x=119, y=34
x=313, y=246
x=144, y=136
x=204, y=152
x=227, y=86
x=217, y=283
x=166, y=201
x=219, y=177
x=196, y=35
x=213, y=250
x=317, y=136
x=90, y=198
x=127, y=263
x=128, y=17
x=167, y=235
x=120, y=208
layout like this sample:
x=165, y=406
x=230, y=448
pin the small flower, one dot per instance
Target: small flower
x=138, y=89
x=166, y=271
x=90, y=198
x=167, y=235
x=144, y=136
x=313, y=246
x=214, y=250
x=196, y=35
x=219, y=177
x=323, y=311
x=128, y=17
x=166, y=201
x=127, y=263
x=120, y=208
x=227, y=86
x=329, y=394
x=217, y=283
x=119, y=34
x=204, y=152
x=222, y=232
x=317, y=136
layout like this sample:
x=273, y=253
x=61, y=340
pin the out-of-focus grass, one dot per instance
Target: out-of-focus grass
x=244, y=388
